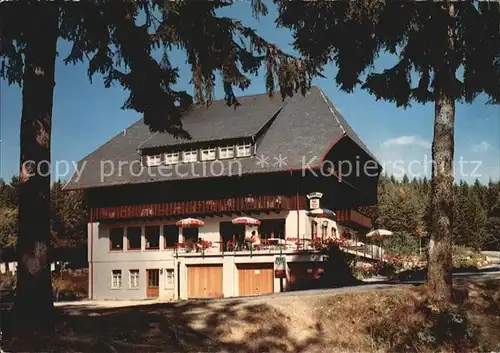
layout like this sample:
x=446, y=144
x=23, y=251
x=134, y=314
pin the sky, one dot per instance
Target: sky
x=86, y=115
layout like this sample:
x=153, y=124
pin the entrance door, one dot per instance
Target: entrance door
x=153, y=288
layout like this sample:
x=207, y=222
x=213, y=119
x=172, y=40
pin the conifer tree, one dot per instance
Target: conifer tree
x=431, y=41
x=118, y=40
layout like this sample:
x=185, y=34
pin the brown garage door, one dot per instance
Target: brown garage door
x=205, y=281
x=304, y=275
x=255, y=279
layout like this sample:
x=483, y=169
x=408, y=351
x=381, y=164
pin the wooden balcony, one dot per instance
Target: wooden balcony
x=213, y=207
x=353, y=219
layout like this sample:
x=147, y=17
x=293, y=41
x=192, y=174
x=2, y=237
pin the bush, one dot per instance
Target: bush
x=70, y=285
x=419, y=326
x=338, y=268
x=401, y=243
x=464, y=257
x=8, y=281
x=362, y=270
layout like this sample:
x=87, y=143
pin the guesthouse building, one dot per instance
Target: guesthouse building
x=174, y=218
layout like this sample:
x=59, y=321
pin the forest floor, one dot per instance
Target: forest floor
x=393, y=319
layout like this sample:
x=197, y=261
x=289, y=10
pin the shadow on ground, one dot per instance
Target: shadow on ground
x=192, y=326
x=393, y=320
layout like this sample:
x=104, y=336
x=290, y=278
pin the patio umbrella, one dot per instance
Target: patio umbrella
x=189, y=223
x=379, y=233
x=322, y=213
x=246, y=220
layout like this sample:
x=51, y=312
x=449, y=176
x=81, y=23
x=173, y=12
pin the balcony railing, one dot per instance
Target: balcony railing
x=353, y=219
x=181, y=208
x=267, y=246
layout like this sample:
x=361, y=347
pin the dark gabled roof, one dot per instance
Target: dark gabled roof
x=219, y=122
x=304, y=130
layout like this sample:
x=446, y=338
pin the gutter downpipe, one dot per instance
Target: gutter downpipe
x=91, y=263
x=298, y=210
x=178, y=279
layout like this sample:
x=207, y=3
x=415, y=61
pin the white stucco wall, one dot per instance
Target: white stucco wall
x=229, y=264
x=103, y=261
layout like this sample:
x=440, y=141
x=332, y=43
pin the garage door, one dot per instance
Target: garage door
x=304, y=275
x=255, y=279
x=205, y=281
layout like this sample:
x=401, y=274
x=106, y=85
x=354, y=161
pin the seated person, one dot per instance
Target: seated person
x=189, y=244
x=254, y=240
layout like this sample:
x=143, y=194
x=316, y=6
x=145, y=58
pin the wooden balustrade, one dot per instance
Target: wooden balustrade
x=353, y=219
x=183, y=208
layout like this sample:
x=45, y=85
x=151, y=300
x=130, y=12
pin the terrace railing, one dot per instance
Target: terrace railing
x=228, y=247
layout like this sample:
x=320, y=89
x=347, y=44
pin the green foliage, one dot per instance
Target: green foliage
x=353, y=33
x=401, y=243
x=409, y=325
x=492, y=226
x=470, y=215
x=403, y=207
x=338, y=268
x=467, y=258
x=9, y=193
x=119, y=41
x=8, y=227
x=8, y=281
x=447, y=327
x=69, y=215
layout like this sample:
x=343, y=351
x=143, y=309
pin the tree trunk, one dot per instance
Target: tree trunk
x=443, y=144
x=33, y=309
x=440, y=261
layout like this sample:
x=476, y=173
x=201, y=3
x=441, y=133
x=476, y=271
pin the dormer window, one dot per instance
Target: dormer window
x=208, y=154
x=172, y=158
x=154, y=160
x=244, y=150
x=190, y=156
x=226, y=152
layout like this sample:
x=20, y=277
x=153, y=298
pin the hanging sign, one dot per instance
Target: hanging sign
x=314, y=198
x=280, y=267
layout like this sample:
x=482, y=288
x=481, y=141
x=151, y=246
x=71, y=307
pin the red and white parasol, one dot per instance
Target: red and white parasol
x=189, y=223
x=246, y=220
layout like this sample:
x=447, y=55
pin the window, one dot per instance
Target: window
x=190, y=156
x=208, y=154
x=153, y=160
x=170, y=235
x=244, y=150
x=116, y=279
x=172, y=158
x=272, y=228
x=190, y=236
x=314, y=229
x=324, y=231
x=153, y=237
x=116, y=239
x=169, y=278
x=134, y=238
x=133, y=279
x=226, y=152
